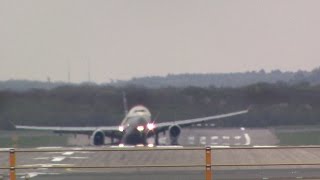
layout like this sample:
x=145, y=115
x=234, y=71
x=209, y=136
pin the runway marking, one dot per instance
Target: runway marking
x=34, y=174
x=264, y=146
x=214, y=137
x=225, y=137
x=5, y=149
x=191, y=139
x=30, y=175
x=220, y=146
x=46, y=165
x=78, y=157
x=248, y=139
x=243, y=129
x=169, y=146
x=41, y=158
x=163, y=140
x=53, y=147
x=237, y=137
x=203, y=140
x=58, y=159
x=67, y=153
x=122, y=146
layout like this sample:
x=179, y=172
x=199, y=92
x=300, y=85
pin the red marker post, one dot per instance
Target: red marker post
x=208, y=164
x=12, y=162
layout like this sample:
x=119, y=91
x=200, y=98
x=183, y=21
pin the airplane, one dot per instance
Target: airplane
x=134, y=129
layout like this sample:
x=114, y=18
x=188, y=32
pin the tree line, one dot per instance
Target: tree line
x=91, y=105
x=184, y=80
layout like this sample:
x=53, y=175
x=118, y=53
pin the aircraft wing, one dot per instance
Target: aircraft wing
x=182, y=123
x=76, y=130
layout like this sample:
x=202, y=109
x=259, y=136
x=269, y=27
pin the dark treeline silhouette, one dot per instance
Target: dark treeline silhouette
x=225, y=79
x=92, y=105
x=185, y=80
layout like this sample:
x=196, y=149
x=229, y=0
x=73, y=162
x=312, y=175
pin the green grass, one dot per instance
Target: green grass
x=31, y=139
x=299, y=138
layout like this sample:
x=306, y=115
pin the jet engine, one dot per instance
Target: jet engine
x=174, y=132
x=97, y=138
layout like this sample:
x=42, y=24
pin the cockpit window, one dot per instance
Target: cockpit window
x=142, y=110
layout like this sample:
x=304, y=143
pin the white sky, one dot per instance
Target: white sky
x=133, y=38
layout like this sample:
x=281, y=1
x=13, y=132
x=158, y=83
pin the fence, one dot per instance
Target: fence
x=206, y=165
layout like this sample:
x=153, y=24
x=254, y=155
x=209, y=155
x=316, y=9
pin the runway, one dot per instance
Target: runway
x=72, y=157
x=80, y=156
x=272, y=174
x=206, y=136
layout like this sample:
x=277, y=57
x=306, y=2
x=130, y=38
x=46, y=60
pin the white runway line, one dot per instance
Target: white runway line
x=264, y=146
x=225, y=137
x=67, y=153
x=220, y=146
x=53, y=147
x=34, y=174
x=248, y=139
x=58, y=159
x=203, y=140
x=29, y=175
x=169, y=146
x=5, y=149
x=237, y=137
x=122, y=146
x=41, y=158
x=46, y=165
x=79, y=157
x=214, y=137
x=191, y=140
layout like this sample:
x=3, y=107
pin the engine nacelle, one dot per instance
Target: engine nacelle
x=97, y=138
x=174, y=132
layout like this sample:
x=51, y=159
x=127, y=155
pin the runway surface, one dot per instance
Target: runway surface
x=40, y=162
x=206, y=136
x=272, y=174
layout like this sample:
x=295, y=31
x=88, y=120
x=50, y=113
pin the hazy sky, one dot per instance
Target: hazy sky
x=121, y=39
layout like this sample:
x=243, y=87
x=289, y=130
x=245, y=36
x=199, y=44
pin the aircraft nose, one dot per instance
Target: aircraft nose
x=136, y=124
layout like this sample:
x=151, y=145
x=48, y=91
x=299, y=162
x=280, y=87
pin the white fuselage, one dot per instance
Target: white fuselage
x=136, y=125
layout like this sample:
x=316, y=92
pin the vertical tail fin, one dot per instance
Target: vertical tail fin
x=125, y=103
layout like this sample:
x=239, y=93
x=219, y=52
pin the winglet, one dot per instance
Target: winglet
x=125, y=103
x=12, y=124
